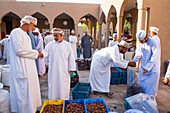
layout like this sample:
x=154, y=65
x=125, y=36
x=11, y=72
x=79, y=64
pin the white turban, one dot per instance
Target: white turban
x=72, y=31
x=115, y=35
x=36, y=30
x=154, y=29
x=124, y=44
x=141, y=34
x=28, y=20
x=57, y=30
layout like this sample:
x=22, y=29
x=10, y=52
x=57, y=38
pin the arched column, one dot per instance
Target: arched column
x=94, y=23
x=119, y=27
x=107, y=33
x=100, y=35
x=0, y=30
x=76, y=31
x=141, y=18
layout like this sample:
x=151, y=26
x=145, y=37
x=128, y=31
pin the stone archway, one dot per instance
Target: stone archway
x=91, y=22
x=66, y=23
x=43, y=23
x=9, y=22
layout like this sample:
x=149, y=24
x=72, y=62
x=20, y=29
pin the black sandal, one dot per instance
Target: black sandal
x=95, y=92
x=109, y=95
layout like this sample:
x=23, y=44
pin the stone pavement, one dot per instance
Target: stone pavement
x=116, y=104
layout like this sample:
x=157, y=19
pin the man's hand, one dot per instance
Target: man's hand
x=40, y=54
x=132, y=64
x=145, y=71
x=71, y=72
x=165, y=81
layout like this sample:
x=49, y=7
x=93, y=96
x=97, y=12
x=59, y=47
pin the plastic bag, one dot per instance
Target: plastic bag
x=4, y=102
x=6, y=76
x=133, y=111
x=143, y=102
x=132, y=87
x=1, y=85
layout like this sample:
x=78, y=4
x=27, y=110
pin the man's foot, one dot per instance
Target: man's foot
x=165, y=81
x=109, y=95
x=95, y=92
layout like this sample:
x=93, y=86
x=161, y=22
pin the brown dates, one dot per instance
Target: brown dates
x=74, y=108
x=53, y=109
x=96, y=107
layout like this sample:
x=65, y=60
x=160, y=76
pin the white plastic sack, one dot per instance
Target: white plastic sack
x=1, y=85
x=133, y=111
x=6, y=76
x=143, y=102
x=0, y=76
x=4, y=102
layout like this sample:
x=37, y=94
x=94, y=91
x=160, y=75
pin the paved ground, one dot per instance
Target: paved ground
x=115, y=104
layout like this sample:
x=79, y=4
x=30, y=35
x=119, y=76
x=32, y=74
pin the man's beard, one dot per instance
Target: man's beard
x=121, y=51
x=57, y=40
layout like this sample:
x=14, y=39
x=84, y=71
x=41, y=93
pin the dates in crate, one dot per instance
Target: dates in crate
x=113, y=70
x=53, y=109
x=96, y=107
x=74, y=108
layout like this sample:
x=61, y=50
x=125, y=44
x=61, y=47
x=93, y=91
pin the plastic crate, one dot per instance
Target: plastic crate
x=52, y=102
x=115, y=81
x=115, y=74
x=81, y=90
x=80, y=101
x=126, y=104
x=89, y=101
x=123, y=81
x=123, y=73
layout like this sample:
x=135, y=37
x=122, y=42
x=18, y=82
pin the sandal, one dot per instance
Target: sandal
x=95, y=92
x=109, y=95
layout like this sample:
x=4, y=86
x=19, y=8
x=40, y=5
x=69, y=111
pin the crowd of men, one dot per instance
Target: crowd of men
x=28, y=58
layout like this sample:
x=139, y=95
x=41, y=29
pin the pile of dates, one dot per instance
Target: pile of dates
x=96, y=107
x=53, y=109
x=115, y=70
x=74, y=108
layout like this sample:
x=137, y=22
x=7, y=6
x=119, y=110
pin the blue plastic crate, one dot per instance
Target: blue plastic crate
x=89, y=101
x=80, y=101
x=81, y=91
x=115, y=74
x=115, y=81
x=127, y=105
x=123, y=74
x=123, y=81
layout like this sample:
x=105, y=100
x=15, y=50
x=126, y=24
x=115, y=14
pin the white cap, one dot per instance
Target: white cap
x=72, y=31
x=36, y=30
x=115, y=35
x=57, y=30
x=141, y=34
x=154, y=29
x=124, y=44
x=28, y=20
